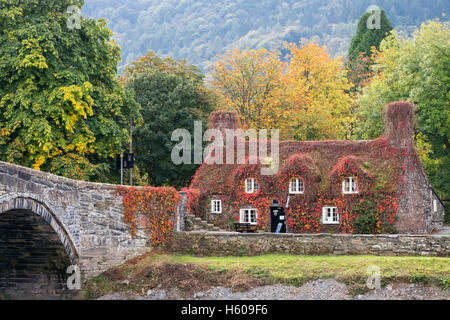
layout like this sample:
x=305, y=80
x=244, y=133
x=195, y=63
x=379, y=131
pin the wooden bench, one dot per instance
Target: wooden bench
x=244, y=227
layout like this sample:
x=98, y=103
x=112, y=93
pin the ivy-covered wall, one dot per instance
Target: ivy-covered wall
x=394, y=193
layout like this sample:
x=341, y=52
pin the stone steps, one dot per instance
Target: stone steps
x=197, y=224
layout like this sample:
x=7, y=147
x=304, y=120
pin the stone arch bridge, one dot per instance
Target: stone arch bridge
x=80, y=222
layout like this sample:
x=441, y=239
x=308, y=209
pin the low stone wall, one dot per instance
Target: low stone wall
x=231, y=243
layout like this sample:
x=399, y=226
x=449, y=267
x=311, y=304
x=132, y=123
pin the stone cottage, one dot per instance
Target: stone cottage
x=370, y=186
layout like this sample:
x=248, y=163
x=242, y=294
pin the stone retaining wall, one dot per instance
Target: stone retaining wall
x=231, y=243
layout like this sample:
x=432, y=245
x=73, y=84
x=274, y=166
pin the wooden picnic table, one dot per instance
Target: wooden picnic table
x=244, y=227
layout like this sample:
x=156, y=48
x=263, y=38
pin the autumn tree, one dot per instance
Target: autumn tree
x=304, y=97
x=315, y=87
x=249, y=83
x=61, y=108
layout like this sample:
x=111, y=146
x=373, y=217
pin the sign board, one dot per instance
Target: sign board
x=128, y=161
x=279, y=228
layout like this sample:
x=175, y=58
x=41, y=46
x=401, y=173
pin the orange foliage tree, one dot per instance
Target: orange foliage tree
x=249, y=83
x=306, y=97
x=316, y=87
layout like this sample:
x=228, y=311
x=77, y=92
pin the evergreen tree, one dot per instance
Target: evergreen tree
x=369, y=34
x=366, y=38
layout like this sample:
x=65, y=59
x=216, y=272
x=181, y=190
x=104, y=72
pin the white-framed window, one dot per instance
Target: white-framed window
x=434, y=205
x=296, y=186
x=249, y=215
x=216, y=206
x=330, y=215
x=251, y=185
x=349, y=185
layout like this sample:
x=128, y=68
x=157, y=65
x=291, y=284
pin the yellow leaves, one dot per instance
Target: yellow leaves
x=305, y=97
x=81, y=147
x=78, y=104
x=5, y=132
x=31, y=55
x=248, y=82
x=38, y=163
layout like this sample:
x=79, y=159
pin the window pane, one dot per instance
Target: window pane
x=249, y=185
x=347, y=185
x=352, y=184
x=217, y=206
x=296, y=186
x=253, y=215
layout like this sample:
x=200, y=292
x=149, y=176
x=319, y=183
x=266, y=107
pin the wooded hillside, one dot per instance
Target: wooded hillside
x=198, y=30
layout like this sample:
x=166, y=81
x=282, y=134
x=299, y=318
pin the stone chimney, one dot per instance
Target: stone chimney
x=399, y=123
x=223, y=120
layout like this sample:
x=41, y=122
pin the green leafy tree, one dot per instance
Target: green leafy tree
x=172, y=96
x=415, y=69
x=61, y=108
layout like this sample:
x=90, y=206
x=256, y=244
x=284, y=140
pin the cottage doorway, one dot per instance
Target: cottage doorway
x=277, y=218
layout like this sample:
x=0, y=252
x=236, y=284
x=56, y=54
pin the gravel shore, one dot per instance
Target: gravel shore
x=328, y=289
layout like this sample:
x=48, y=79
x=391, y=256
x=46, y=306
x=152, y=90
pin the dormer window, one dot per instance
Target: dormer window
x=296, y=186
x=216, y=206
x=251, y=185
x=349, y=186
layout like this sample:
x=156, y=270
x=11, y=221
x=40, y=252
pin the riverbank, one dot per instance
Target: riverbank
x=157, y=275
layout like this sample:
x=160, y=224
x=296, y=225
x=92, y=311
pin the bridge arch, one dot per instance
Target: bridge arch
x=39, y=208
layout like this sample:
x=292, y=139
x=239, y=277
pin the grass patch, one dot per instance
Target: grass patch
x=188, y=273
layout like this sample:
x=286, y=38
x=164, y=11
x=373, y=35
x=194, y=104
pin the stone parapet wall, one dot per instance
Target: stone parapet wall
x=88, y=217
x=231, y=243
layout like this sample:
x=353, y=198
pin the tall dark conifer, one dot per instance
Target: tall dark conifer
x=365, y=38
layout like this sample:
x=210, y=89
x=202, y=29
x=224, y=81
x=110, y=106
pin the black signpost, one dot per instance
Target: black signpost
x=277, y=218
x=128, y=160
x=124, y=161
